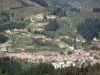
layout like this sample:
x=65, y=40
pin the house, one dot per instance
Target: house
x=8, y=31
x=61, y=45
x=39, y=16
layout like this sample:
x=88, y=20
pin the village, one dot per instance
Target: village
x=58, y=60
x=49, y=37
x=77, y=58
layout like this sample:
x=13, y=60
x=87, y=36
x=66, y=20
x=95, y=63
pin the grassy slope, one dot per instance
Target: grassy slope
x=81, y=16
x=27, y=11
x=85, y=4
x=6, y=4
x=76, y=17
x=24, y=11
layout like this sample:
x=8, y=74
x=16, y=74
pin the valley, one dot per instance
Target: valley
x=60, y=34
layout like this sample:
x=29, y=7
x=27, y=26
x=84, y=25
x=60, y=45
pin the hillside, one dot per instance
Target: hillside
x=21, y=8
x=41, y=2
x=84, y=4
x=49, y=37
x=37, y=14
x=6, y=4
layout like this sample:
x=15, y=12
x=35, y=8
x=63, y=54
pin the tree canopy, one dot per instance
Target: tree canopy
x=52, y=26
x=89, y=29
x=3, y=38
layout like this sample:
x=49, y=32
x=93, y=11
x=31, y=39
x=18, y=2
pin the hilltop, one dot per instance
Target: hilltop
x=5, y=4
x=84, y=4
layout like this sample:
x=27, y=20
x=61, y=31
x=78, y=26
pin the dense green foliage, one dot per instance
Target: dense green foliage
x=9, y=66
x=52, y=26
x=7, y=23
x=3, y=38
x=12, y=25
x=48, y=69
x=89, y=29
x=96, y=10
x=41, y=2
x=74, y=10
x=6, y=14
x=46, y=43
x=51, y=29
x=40, y=69
x=58, y=12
